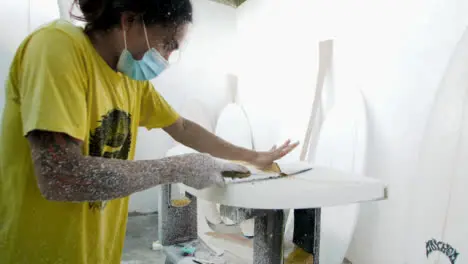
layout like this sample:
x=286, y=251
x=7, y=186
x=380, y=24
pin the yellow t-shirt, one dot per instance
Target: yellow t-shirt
x=58, y=82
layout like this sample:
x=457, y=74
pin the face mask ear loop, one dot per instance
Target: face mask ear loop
x=125, y=37
x=146, y=36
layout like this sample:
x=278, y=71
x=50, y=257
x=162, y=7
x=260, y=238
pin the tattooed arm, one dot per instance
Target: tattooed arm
x=200, y=139
x=195, y=136
x=64, y=174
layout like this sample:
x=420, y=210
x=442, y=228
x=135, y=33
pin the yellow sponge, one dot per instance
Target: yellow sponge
x=180, y=202
x=299, y=256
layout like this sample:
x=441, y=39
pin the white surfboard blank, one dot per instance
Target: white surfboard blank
x=454, y=245
x=195, y=111
x=341, y=145
x=234, y=127
x=455, y=237
x=438, y=215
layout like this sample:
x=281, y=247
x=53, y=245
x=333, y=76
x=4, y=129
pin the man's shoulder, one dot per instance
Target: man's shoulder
x=63, y=27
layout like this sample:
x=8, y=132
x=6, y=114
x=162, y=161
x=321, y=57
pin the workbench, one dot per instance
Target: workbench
x=319, y=187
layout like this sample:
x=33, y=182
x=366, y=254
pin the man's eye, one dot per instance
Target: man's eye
x=171, y=46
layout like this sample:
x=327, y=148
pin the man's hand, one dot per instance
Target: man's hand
x=265, y=159
x=196, y=137
x=206, y=170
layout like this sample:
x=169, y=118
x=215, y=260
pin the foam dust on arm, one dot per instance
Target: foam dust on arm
x=64, y=174
x=253, y=170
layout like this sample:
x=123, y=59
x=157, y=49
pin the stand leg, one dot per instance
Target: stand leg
x=176, y=225
x=268, y=240
x=307, y=231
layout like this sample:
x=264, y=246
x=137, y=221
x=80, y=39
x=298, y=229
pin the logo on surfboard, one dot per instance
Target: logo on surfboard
x=446, y=249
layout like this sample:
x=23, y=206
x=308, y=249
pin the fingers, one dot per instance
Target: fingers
x=285, y=149
x=285, y=144
x=289, y=148
x=273, y=148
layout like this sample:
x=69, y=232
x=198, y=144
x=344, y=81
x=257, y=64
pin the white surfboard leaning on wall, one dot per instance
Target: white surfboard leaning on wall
x=195, y=111
x=234, y=127
x=336, y=138
x=438, y=214
x=341, y=145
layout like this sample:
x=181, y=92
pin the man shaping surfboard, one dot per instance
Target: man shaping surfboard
x=74, y=101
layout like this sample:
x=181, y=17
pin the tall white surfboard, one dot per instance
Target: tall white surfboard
x=438, y=216
x=339, y=142
x=195, y=111
x=341, y=145
x=234, y=127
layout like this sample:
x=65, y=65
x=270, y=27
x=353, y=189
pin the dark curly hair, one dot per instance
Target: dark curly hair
x=103, y=15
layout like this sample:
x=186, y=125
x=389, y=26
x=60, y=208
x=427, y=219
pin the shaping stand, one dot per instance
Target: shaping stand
x=317, y=188
x=178, y=226
x=268, y=239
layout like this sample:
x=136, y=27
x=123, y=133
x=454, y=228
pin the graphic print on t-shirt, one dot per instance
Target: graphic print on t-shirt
x=111, y=139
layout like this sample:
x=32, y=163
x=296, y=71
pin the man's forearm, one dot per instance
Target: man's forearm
x=98, y=179
x=200, y=139
x=64, y=174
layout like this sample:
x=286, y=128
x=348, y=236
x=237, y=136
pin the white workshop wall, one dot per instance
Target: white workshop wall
x=395, y=51
x=17, y=19
x=14, y=20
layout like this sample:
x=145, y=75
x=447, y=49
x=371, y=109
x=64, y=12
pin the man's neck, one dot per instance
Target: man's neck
x=107, y=46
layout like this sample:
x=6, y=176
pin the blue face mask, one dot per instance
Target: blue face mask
x=149, y=67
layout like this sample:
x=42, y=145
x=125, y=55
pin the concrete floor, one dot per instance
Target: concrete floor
x=142, y=231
